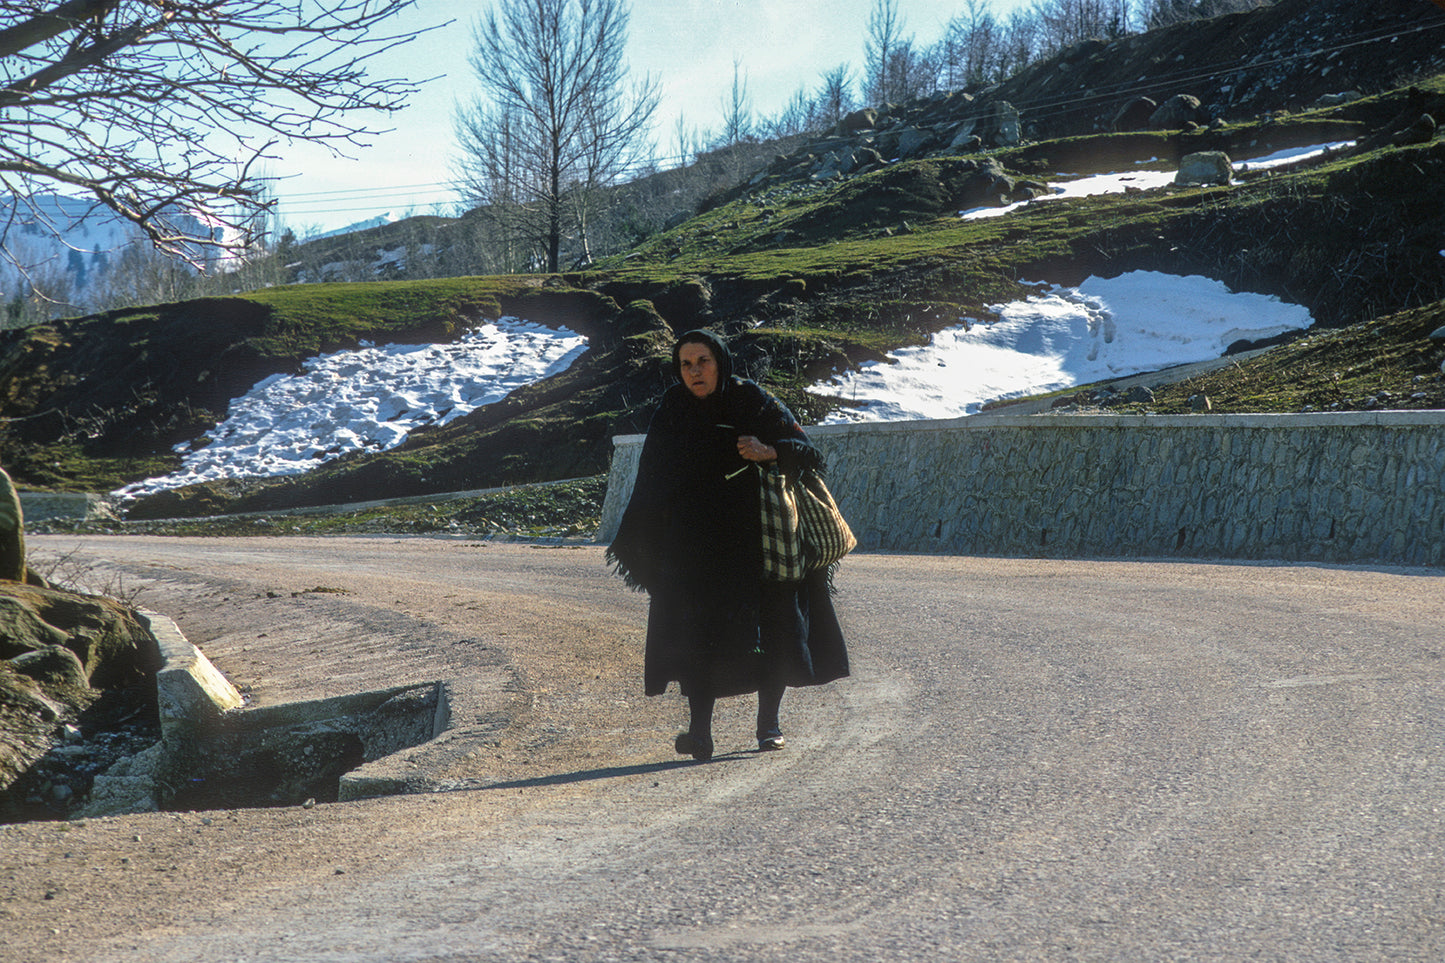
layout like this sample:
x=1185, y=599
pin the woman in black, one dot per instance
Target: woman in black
x=691, y=537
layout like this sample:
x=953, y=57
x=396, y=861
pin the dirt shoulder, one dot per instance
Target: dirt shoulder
x=547, y=656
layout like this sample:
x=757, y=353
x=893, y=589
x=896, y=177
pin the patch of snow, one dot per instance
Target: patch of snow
x=1116, y=183
x=1119, y=182
x=1105, y=328
x=1294, y=155
x=367, y=399
x=379, y=220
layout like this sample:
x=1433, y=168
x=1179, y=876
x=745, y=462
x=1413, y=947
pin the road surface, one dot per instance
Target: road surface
x=1033, y=760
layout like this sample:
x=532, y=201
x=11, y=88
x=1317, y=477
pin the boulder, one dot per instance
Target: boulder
x=870, y=159
x=1134, y=115
x=987, y=185
x=998, y=126
x=30, y=717
x=1006, y=129
x=54, y=667
x=56, y=648
x=1422, y=131
x=943, y=107
x=837, y=164
x=12, y=532
x=129, y=786
x=911, y=141
x=967, y=145
x=113, y=648
x=1027, y=190
x=1205, y=167
x=965, y=134
x=864, y=119
x=1176, y=112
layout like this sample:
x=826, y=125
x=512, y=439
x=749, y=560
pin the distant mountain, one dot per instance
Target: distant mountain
x=380, y=220
x=69, y=246
x=52, y=237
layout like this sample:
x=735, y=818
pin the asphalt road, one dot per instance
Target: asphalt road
x=1033, y=760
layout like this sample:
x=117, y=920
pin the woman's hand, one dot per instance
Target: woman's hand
x=752, y=449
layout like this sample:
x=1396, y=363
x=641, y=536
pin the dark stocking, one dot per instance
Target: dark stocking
x=700, y=723
x=697, y=740
x=770, y=698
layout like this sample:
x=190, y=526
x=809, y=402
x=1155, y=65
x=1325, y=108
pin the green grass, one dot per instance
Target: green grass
x=307, y=314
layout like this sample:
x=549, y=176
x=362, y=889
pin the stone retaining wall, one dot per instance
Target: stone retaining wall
x=1356, y=487
x=47, y=506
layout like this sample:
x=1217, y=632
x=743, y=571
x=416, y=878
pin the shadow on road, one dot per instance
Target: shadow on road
x=609, y=772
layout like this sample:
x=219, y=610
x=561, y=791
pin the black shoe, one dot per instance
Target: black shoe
x=689, y=745
x=771, y=743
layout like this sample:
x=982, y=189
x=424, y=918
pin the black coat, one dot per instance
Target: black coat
x=691, y=537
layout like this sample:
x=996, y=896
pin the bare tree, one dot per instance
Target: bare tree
x=689, y=141
x=1021, y=44
x=971, y=51
x=737, y=104
x=495, y=170
x=911, y=72
x=880, y=51
x=1063, y=23
x=795, y=117
x=552, y=73
x=835, y=97
x=1163, y=13
x=163, y=110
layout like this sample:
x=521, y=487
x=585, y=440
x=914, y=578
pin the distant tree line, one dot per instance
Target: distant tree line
x=976, y=49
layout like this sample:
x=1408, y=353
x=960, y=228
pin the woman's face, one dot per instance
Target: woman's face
x=699, y=369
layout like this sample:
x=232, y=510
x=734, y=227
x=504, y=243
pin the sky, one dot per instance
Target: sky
x=688, y=46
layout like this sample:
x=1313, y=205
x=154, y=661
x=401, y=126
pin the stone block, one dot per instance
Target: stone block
x=1204, y=168
x=191, y=692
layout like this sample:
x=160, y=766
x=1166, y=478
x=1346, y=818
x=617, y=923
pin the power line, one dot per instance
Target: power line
x=434, y=185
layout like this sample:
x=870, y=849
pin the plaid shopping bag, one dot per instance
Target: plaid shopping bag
x=782, y=538
x=825, y=532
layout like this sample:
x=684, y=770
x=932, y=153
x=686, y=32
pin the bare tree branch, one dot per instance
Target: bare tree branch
x=162, y=110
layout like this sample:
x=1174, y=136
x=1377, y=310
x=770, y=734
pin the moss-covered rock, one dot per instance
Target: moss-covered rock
x=58, y=650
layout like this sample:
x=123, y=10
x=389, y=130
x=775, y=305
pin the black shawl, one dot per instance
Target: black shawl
x=691, y=538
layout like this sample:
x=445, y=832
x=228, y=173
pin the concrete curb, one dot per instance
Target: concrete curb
x=190, y=691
